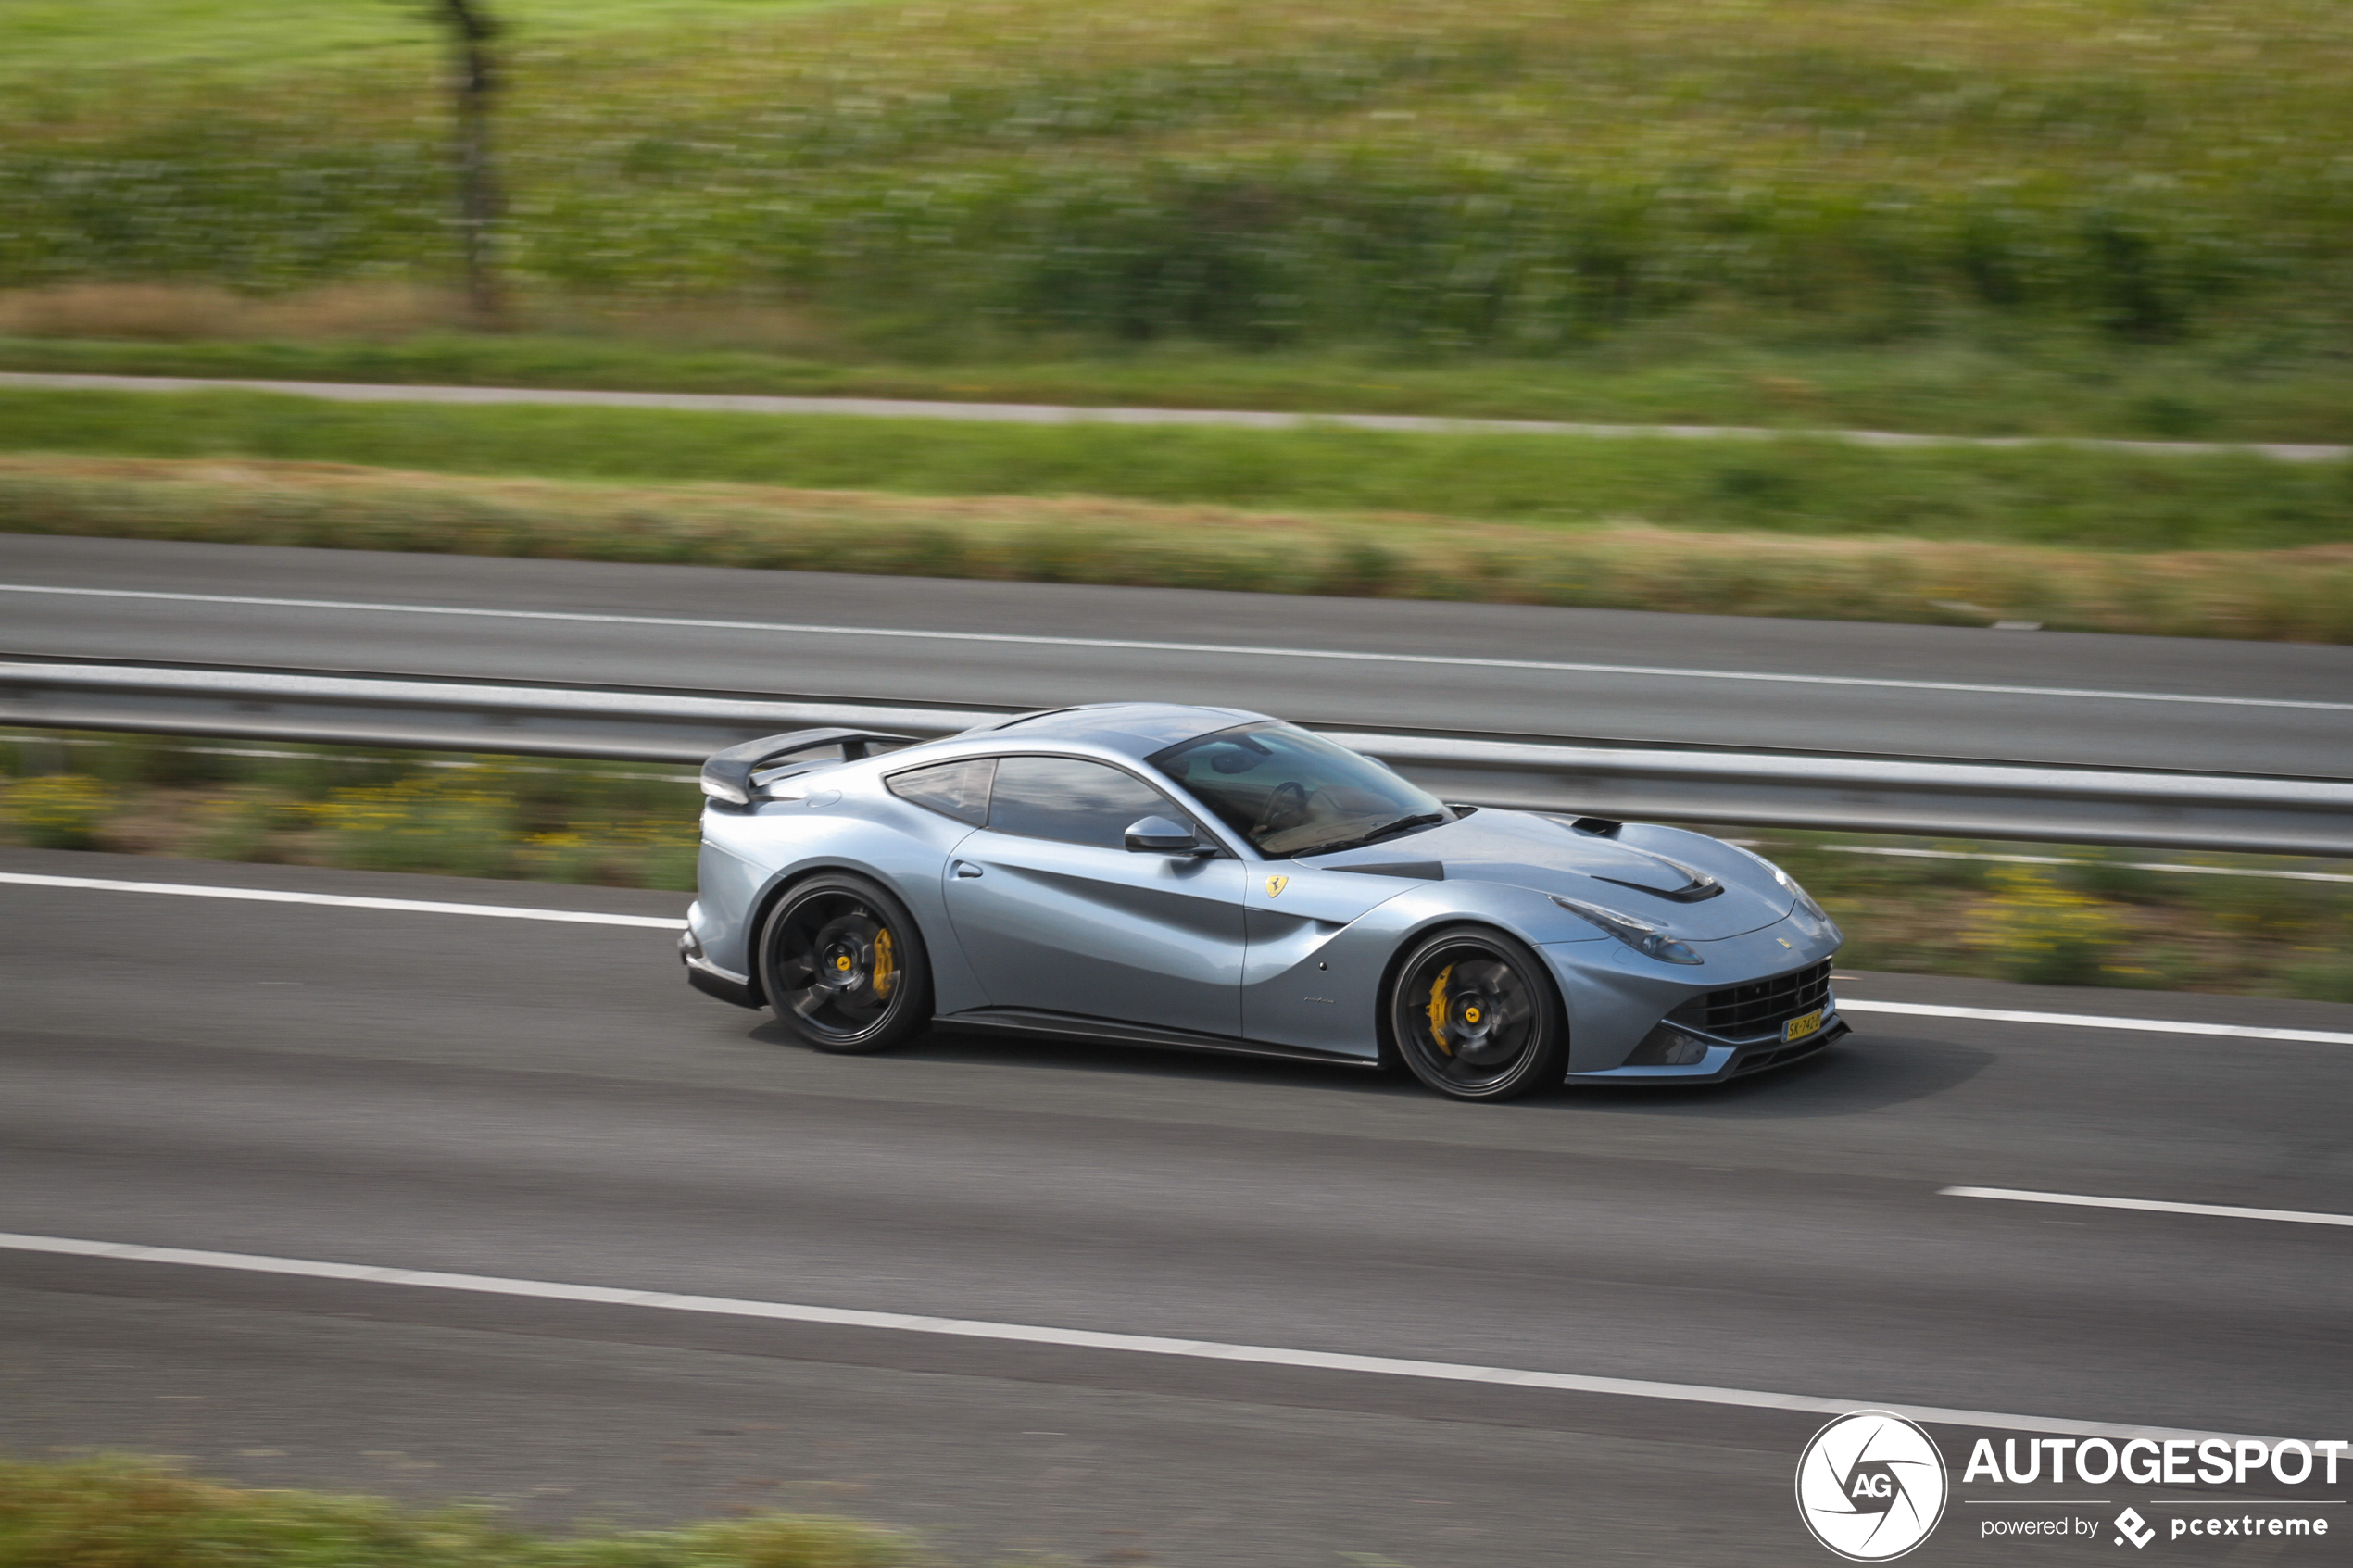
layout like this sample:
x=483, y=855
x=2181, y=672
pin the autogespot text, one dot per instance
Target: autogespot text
x=2185, y=1463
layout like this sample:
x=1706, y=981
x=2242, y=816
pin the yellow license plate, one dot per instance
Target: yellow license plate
x=1798, y=1028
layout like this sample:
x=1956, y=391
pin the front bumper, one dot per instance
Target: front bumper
x=1728, y=1059
x=1735, y=1008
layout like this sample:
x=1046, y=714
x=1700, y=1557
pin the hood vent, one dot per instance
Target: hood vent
x=1697, y=886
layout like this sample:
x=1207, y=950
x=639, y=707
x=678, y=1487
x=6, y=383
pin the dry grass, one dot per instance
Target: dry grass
x=2292, y=593
x=194, y=312
x=392, y=312
x=125, y=1511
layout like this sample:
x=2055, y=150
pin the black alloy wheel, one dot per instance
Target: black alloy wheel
x=844, y=966
x=1475, y=1016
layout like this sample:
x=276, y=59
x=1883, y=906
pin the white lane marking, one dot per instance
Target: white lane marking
x=1240, y=649
x=1088, y=1339
x=2079, y=860
x=2092, y=1020
x=663, y=923
x=2219, y=1211
x=344, y=902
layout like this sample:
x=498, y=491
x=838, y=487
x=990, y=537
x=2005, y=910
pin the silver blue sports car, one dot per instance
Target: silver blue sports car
x=1218, y=880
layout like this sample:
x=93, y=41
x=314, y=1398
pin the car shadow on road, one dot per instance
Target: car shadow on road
x=1114, y=1059
x=1856, y=1076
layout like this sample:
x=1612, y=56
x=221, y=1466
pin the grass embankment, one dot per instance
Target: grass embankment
x=2019, y=217
x=2304, y=595
x=123, y=1513
x=2096, y=920
x=2086, y=498
x=1444, y=175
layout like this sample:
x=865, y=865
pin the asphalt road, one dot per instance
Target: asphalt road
x=1950, y=692
x=549, y=1101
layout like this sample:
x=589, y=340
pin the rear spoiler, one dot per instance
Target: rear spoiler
x=726, y=775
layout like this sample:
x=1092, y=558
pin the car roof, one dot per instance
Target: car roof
x=1133, y=729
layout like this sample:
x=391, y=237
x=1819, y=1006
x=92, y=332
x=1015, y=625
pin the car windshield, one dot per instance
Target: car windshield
x=1293, y=793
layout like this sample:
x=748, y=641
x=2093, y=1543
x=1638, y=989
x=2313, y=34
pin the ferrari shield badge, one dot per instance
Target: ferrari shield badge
x=1274, y=886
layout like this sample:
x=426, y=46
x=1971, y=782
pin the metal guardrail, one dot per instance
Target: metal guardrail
x=1962, y=799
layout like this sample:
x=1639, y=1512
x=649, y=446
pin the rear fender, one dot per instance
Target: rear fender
x=879, y=837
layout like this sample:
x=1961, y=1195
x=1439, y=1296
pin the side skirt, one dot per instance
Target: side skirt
x=1105, y=1031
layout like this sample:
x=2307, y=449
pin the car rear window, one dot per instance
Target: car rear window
x=952, y=789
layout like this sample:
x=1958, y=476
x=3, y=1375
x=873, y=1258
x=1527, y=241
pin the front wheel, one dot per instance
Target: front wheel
x=844, y=966
x=1475, y=1016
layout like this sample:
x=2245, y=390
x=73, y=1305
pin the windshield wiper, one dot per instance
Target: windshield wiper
x=1387, y=829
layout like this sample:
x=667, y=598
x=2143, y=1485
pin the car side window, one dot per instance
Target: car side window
x=952, y=789
x=1072, y=801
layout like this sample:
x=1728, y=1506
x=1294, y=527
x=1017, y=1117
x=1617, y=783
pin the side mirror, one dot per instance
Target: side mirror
x=1158, y=835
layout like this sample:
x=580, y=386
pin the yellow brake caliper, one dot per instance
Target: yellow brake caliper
x=1438, y=1009
x=886, y=972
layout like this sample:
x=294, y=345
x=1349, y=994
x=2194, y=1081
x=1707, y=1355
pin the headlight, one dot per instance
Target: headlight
x=1641, y=935
x=1805, y=900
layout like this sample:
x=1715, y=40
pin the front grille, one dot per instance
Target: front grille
x=1760, y=1007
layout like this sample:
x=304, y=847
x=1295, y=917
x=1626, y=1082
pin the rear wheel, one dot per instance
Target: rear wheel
x=1475, y=1016
x=844, y=966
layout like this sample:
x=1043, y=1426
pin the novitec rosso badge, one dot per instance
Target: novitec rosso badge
x=1871, y=1486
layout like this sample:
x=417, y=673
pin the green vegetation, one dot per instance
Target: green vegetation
x=123, y=1512
x=2304, y=595
x=544, y=820
x=2128, y=218
x=100, y=39
x=2095, y=920
x=1439, y=176
x=2099, y=920
x=2046, y=495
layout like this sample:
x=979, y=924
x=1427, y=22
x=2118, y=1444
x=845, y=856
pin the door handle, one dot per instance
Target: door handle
x=965, y=868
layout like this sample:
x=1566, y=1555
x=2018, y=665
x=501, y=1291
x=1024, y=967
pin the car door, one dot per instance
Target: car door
x=1307, y=980
x=1056, y=914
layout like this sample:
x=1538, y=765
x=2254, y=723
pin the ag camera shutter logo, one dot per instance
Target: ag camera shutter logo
x=1871, y=1486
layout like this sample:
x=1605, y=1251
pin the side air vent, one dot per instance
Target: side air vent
x=1428, y=870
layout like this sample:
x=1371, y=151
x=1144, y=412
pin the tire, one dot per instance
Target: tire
x=1475, y=1016
x=844, y=967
